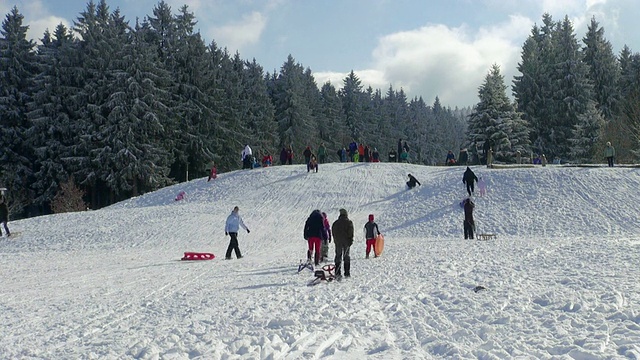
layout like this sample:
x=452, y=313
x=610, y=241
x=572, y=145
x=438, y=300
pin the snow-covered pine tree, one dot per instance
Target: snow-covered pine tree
x=50, y=135
x=292, y=111
x=19, y=66
x=333, y=132
x=603, y=69
x=587, y=134
x=572, y=89
x=494, y=119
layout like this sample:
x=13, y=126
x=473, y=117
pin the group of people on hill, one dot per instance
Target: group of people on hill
x=318, y=235
x=358, y=152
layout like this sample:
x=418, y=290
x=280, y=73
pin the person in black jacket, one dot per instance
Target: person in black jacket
x=469, y=178
x=412, y=182
x=342, y=230
x=314, y=234
x=469, y=224
x=4, y=215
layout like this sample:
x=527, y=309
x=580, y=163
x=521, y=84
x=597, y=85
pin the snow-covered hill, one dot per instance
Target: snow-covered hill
x=561, y=278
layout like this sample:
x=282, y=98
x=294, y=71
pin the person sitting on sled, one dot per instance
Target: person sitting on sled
x=412, y=182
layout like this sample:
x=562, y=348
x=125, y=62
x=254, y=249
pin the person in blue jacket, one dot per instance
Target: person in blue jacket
x=231, y=227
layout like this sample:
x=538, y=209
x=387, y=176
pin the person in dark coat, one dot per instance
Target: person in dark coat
x=412, y=182
x=463, y=157
x=314, y=234
x=469, y=178
x=283, y=156
x=4, y=215
x=393, y=156
x=399, y=148
x=469, y=224
x=342, y=231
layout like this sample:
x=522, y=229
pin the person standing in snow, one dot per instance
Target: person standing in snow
x=412, y=182
x=342, y=230
x=322, y=153
x=609, y=153
x=469, y=178
x=4, y=215
x=231, y=227
x=283, y=156
x=469, y=224
x=314, y=234
x=370, y=233
x=327, y=239
x=246, y=157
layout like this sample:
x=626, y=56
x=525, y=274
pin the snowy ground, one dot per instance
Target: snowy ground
x=561, y=278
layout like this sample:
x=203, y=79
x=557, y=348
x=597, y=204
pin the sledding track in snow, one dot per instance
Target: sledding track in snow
x=561, y=277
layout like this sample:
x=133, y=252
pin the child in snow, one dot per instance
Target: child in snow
x=4, y=215
x=213, y=173
x=370, y=233
x=325, y=243
x=482, y=187
x=313, y=164
x=180, y=196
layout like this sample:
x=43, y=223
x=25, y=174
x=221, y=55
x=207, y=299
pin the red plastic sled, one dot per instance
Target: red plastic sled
x=198, y=256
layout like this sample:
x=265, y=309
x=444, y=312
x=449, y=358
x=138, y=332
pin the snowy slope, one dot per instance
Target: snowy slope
x=561, y=278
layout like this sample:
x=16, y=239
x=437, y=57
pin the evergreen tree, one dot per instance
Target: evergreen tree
x=259, y=119
x=586, y=135
x=572, y=90
x=603, y=69
x=333, y=132
x=292, y=113
x=352, y=105
x=137, y=158
x=50, y=135
x=494, y=119
x=18, y=65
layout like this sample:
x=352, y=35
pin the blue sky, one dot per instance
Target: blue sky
x=428, y=48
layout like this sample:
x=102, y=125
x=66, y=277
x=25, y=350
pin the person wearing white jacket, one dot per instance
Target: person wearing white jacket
x=246, y=157
x=231, y=227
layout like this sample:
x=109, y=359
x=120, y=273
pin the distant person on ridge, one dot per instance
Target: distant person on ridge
x=4, y=215
x=231, y=227
x=469, y=178
x=412, y=182
x=342, y=230
x=609, y=153
x=246, y=157
x=370, y=232
x=322, y=153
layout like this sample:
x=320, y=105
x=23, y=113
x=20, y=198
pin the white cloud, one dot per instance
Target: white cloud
x=437, y=60
x=237, y=35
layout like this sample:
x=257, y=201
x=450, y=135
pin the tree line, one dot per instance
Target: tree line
x=570, y=99
x=121, y=109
